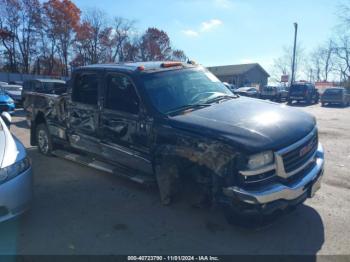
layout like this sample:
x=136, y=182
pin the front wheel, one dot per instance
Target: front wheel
x=43, y=139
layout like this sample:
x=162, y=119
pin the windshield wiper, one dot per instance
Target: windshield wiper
x=186, y=107
x=221, y=97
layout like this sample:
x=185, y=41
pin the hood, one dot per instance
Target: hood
x=250, y=124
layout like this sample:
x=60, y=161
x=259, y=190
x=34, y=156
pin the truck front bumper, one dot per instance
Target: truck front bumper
x=279, y=195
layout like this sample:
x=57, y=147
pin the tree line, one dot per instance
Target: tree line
x=55, y=36
x=329, y=61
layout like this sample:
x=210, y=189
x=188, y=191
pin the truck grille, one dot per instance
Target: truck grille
x=297, y=157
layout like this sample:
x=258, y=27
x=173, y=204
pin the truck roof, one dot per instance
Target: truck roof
x=141, y=66
x=49, y=80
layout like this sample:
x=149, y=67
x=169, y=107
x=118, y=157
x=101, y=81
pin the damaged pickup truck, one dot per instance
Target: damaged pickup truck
x=170, y=122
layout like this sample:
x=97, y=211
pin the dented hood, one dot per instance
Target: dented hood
x=251, y=124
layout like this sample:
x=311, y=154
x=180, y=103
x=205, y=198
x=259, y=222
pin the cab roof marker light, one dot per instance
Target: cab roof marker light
x=171, y=64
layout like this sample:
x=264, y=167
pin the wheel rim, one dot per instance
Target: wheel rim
x=43, y=141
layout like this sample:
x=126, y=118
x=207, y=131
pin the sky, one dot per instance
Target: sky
x=223, y=32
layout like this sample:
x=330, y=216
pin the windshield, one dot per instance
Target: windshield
x=175, y=89
x=298, y=88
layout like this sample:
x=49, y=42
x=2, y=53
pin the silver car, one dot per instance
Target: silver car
x=15, y=173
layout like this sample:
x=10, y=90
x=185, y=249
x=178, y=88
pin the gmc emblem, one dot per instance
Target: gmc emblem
x=306, y=149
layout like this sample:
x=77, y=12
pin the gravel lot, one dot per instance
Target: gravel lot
x=78, y=210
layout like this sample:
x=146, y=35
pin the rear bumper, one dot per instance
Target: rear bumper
x=278, y=195
x=297, y=98
x=16, y=195
x=336, y=101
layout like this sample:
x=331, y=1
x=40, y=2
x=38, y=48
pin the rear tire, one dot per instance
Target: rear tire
x=43, y=139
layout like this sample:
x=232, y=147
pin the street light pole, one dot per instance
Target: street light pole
x=294, y=52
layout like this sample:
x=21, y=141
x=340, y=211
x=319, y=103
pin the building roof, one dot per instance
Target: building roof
x=229, y=70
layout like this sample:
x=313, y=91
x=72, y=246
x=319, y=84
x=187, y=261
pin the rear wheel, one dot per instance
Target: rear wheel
x=43, y=139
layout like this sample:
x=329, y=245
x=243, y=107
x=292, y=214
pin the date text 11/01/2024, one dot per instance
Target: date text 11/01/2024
x=173, y=258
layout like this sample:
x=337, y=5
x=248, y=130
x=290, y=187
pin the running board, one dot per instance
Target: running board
x=102, y=166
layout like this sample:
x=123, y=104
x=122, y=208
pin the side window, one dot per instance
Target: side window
x=86, y=88
x=121, y=94
x=37, y=87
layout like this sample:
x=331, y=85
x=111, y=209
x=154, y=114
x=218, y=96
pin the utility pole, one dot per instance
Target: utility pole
x=294, y=52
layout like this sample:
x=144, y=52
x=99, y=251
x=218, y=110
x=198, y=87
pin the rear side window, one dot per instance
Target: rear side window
x=121, y=94
x=28, y=86
x=298, y=87
x=86, y=88
x=38, y=87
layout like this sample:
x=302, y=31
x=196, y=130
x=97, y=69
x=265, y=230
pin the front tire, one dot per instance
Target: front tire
x=43, y=139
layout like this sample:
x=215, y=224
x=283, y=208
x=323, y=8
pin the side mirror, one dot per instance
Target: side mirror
x=6, y=117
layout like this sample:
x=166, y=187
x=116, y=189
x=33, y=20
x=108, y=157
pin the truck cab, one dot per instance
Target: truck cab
x=169, y=123
x=303, y=91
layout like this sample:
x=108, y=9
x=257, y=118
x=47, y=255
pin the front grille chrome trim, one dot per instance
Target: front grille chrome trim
x=280, y=170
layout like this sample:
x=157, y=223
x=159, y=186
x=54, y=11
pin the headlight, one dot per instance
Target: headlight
x=14, y=170
x=260, y=160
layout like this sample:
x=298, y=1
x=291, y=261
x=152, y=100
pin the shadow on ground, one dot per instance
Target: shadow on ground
x=77, y=210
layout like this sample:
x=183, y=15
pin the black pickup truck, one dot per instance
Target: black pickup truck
x=303, y=91
x=175, y=124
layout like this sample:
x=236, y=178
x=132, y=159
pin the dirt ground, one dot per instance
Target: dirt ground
x=78, y=210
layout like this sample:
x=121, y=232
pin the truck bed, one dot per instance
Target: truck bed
x=50, y=108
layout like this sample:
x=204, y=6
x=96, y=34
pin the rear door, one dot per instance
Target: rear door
x=84, y=111
x=124, y=126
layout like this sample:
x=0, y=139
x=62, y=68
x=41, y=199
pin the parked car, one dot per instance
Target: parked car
x=274, y=93
x=303, y=91
x=230, y=86
x=247, y=91
x=15, y=173
x=44, y=86
x=171, y=123
x=335, y=95
x=19, y=83
x=15, y=92
x=6, y=103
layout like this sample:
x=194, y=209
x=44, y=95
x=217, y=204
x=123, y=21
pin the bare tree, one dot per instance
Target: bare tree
x=283, y=64
x=9, y=24
x=121, y=34
x=343, y=54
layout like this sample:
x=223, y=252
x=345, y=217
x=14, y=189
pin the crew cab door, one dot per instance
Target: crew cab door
x=83, y=111
x=124, y=130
